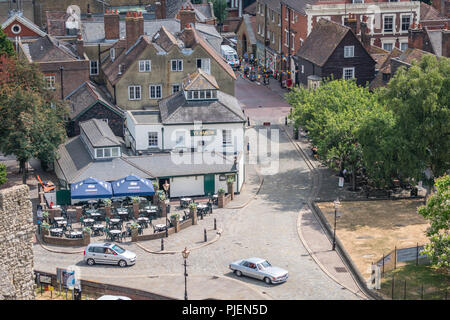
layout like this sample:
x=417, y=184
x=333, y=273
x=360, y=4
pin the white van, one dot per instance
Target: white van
x=230, y=56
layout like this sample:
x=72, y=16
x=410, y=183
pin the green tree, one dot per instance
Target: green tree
x=6, y=46
x=220, y=11
x=3, y=178
x=32, y=118
x=333, y=115
x=419, y=98
x=437, y=212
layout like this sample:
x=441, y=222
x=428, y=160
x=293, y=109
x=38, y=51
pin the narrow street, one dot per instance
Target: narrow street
x=266, y=228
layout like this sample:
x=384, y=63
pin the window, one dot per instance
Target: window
x=259, y=28
x=175, y=88
x=293, y=42
x=134, y=93
x=49, y=82
x=286, y=37
x=388, y=25
x=273, y=37
x=348, y=73
x=273, y=17
x=349, y=51
x=155, y=91
x=406, y=21
x=145, y=65
x=358, y=1
x=115, y=152
x=204, y=64
x=112, y=54
x=107, y=152
x=403, y=46
x=176, y=65
x=388, y=46
x=152, y=139
x=99, y=153
x=93, y=67
x=226, y=137
x=303, y=68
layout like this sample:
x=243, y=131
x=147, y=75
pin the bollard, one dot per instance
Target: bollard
x=215, y=224
x=201, y=215
x=162, y=244
x=248, y=121
x=206, y=237
x=285, y=121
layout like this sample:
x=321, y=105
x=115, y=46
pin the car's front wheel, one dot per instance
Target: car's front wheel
x=122, y=263
x=238, y=273
x=90, y=262
x=267, y=280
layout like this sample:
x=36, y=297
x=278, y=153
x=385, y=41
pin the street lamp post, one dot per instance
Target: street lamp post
x=185, y=254
x=336, y=206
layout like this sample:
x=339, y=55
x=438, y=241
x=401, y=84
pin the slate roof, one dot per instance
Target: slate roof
x=204, y=11
x=48, y=49
x=85, y=96
x=177, y=110
x=99, y=133
x=250, y=26
x=77, y=164
x=322, y=41
x=298, y=5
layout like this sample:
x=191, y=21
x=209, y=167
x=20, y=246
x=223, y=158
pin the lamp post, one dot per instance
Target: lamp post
x=336, y=206
x=185, y=254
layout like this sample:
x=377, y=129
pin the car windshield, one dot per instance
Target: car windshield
x=266, y=264
x=118, y=249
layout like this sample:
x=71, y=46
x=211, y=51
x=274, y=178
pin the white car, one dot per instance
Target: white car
x=260, y=269
x=107, y=297
x=108, y=253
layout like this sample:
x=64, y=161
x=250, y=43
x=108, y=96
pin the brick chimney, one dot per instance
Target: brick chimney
x=80, y=45
x=188, y=36
x=160, y=9
x=134, y=25
x=112, y=25
x=351, y=22
x=365, y=40
x=187, y=16
x=446, y=41
x=417, y=37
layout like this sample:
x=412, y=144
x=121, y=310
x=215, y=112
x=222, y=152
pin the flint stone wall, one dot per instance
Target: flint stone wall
x=16, y=241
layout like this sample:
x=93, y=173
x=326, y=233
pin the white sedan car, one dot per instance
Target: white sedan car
x=260, y=269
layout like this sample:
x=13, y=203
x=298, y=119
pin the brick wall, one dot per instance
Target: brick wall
x=16, y=240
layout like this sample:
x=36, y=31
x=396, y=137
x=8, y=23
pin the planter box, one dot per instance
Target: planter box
x=224, y=200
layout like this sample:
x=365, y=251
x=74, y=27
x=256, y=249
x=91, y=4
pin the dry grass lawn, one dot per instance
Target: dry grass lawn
x=369, y=229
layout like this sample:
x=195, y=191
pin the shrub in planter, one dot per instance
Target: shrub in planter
x=107, y=202
x=45, y=225
x=135, y=199
x=87, y=230
x=45, y=215
x=155, y=185
x=221, y=191
x=175, y=217
x=192, y=206
x=134, y=226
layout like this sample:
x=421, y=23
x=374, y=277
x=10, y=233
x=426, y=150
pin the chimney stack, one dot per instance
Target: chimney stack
x=446, y=41
x=112, y=25
x=160, y=9
x=351, y=22
x=189, y=36
x=80, y=45
x=187, y=16
x=134, y=25
x=416, y=36
x=365, y=40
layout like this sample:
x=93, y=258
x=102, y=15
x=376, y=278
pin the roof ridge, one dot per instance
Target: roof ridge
x=137, y=167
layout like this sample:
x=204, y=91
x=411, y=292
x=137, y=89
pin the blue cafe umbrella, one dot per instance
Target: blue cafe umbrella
x=132, y=186
x=91, y=188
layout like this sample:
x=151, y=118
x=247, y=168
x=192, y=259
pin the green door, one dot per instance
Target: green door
x=209, y=184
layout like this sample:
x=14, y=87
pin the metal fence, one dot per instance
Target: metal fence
x=400, y=256
x=402, y=289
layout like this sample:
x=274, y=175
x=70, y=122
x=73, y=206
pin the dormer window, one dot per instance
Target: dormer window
x=104, y=153
x=201, y=95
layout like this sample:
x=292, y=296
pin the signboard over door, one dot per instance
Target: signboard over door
x=203, y=132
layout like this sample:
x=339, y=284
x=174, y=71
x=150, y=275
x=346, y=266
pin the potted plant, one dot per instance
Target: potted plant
x=134, y=231
x=45, y=215
x=135, y=199
x=107, y=202
x=87, y=230
x=221, y=191
x=155, y=185
x=175, y=217
x=45, y=227
x=230, y=181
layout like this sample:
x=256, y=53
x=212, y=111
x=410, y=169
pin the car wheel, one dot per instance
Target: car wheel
x=90, y=262
x=238, y=273
x=267, y=280
x=122, y=263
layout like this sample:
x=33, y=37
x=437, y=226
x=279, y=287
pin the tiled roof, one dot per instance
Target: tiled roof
x=250, y=26
x=204, y=11
x=56, y=22
x=322, y=41
x=251, y=8
x=48, y=49
x=298, y=5
x=165, y=39
x=200, y=80
x=428, y=13
x=411, y=54
x=177, y=110
x=99, y=133
x=85, y=96
x=384, y=68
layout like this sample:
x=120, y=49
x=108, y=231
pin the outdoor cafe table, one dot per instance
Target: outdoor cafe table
x=61, y=222
x=143, y=220
x=88, y=221
x=115, y=233
x=95, y=215
x=58, y=218
x=119, y=210
x=115, y=220
x=151, y=208
x=56, y=232
x=160, y=227
x=74, y=234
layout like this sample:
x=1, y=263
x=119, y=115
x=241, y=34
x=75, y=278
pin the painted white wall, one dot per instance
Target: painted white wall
x=187, y=186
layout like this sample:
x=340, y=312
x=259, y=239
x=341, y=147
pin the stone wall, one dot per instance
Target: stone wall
x=16, y=241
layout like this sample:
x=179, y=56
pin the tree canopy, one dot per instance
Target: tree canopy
x=6, y=46
x=3, y=178
x=32, y=118
x=220, y=11
x=437, y=212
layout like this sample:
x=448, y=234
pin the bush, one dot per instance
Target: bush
x=221, y=191
x=192, y=205
x=3, y=178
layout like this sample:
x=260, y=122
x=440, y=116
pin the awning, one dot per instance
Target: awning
x=132, y=186
x=91, y=188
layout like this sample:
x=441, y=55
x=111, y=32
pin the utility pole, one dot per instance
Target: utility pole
x=265, y=34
